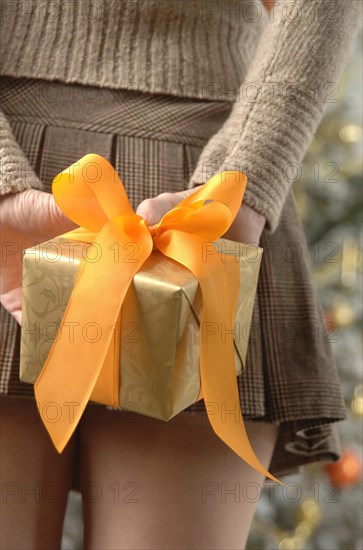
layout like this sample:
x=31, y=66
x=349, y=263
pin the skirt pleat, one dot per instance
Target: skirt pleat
x=154, y=142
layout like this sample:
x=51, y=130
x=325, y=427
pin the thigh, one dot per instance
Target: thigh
x=35, y=479
x=166, y=485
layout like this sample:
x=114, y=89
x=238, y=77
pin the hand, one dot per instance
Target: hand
x=27, y=218
x=246, y=227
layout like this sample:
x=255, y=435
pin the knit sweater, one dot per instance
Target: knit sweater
x=277, y=69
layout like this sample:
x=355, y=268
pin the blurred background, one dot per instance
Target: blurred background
x=322, y=507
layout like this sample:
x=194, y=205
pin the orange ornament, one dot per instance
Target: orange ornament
x=269, y=4
x=329, y=322
x=347, y=471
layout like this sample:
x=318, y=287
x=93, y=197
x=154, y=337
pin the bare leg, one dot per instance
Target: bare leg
x=35, y=479
x=149, y=484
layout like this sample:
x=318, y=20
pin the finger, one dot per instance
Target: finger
x=17, y=314
x=11, y=301
x=42, y=213
x=153, y=209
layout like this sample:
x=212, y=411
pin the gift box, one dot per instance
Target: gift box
x=158, y=329
x=146, y=318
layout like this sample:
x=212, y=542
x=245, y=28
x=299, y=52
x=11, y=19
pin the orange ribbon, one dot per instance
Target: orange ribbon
x=92, y=195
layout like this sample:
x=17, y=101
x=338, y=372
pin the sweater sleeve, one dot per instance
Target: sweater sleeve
x=293, y=75
x=16, y=173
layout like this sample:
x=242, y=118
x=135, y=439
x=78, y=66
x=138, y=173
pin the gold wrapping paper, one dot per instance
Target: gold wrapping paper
x=158, y=329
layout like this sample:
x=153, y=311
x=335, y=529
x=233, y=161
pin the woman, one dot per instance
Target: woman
x=170, y=93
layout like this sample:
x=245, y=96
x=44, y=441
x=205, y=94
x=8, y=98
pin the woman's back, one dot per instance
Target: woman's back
x=188, y=48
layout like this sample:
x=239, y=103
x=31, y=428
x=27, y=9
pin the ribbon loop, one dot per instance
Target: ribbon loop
x=90, y=191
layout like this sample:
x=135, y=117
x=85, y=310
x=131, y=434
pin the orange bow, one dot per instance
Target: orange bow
x=92, y=195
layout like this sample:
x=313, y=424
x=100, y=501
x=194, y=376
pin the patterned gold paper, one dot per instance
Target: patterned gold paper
x=158, y=329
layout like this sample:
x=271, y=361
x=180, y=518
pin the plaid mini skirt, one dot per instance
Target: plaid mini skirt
x=154, y=141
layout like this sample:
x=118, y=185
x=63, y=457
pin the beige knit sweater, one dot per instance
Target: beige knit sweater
x=278, y=69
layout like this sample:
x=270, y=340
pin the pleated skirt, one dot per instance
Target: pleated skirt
x=154, y=141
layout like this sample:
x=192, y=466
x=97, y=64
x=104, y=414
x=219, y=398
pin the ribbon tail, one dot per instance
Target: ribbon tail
x=70, y=373
x=219, y=380
x=218, y=374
